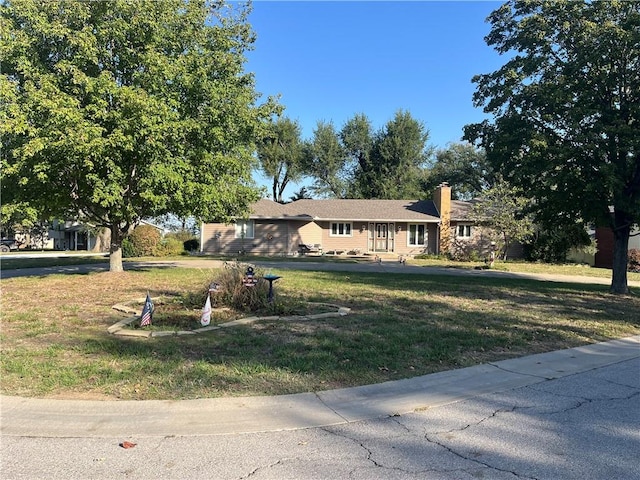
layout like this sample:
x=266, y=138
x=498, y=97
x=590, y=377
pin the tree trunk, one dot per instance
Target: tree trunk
x=274, y=190
x=115, y=250
x=620, y=258
x=507, y=242
x=281, y=188
x=103, y=239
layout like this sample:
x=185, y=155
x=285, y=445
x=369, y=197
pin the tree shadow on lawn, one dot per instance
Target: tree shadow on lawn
x=542, y=302
x=402, y=328
x=551, y=297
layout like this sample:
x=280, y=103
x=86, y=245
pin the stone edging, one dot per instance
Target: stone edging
x=118, y=327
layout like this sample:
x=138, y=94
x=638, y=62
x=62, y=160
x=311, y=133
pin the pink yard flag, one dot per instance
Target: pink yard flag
x=147, y=312
x=206, y=312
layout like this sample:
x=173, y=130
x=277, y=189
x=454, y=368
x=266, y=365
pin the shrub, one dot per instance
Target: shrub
x=633, y=262
x=168, y=247
x=552, y=244
x=182, y=235
x=233, y=293
x=465, y=251
x=128, y=250
x=145, y=240
x=191, y=245
x=187, y=239
x=428, y=256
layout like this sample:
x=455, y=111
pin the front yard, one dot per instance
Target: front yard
x=54, y=341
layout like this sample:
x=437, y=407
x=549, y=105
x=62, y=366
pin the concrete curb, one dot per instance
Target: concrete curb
x=218, y=416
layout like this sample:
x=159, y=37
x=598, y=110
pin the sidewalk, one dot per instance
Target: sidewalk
x=23, y=417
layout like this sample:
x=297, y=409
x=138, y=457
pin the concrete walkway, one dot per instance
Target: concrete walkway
x=78, y=418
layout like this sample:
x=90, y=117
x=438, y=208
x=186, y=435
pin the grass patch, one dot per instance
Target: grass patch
x=55, y=344
x=560, y=269
x=569, y=269
x=8, y=263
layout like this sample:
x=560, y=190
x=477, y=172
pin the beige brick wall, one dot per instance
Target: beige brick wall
x=284, y=237
x=402, y=248
x=303, y=233
x=217, y=237
x=280, y=237
x=357, y=240
x=480, y=243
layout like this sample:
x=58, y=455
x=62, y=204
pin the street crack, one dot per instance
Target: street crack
x=475, y=460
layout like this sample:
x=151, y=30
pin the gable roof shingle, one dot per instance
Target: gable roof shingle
x=348, y=209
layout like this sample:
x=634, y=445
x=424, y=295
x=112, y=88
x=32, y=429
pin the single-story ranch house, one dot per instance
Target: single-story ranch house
x=339, y=226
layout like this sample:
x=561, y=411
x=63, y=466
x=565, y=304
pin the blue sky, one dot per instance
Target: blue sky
x=332, y=60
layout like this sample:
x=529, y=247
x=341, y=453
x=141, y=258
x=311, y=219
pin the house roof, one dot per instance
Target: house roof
x=266, y=208
x=460, y=210
x=348, y=209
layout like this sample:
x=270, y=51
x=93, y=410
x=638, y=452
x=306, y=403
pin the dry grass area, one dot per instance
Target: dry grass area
x=54, y=341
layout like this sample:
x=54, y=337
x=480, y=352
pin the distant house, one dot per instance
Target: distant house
x=57, y=235
x=77, y=235
x=342, y=226
x=604, y=237
x=70, y=235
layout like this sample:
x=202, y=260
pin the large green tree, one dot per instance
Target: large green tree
x=504, y=210
x=357, y=140
x=355, y=162
x=116, y=110
x=566, y=111
x=327, y=163
x=464, y=167
x=17, y=218
x=395, y=165
x=281, y=154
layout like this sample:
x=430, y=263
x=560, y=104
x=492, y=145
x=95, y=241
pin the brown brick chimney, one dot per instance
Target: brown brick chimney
x=442, y=199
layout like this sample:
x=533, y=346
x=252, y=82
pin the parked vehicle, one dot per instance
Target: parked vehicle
x=8, y=244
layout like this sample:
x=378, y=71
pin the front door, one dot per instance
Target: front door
x=381, y=237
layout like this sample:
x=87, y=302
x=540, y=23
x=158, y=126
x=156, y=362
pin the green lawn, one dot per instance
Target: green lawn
x=54, y=343
x=570, y=269
x=8, y=263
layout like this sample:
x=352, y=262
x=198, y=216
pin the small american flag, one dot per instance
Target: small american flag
x=147, y=312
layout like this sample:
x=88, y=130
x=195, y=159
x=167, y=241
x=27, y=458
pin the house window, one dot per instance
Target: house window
x=463, y=231
x=417, y=235
x=340, y=229
x=245, y=228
